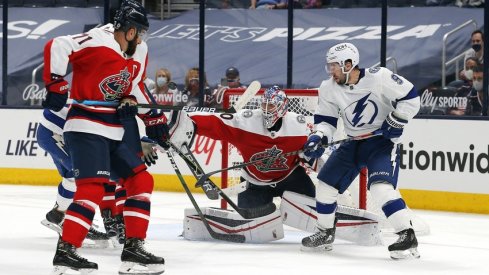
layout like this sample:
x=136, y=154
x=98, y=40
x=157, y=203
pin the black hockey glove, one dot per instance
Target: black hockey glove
x=57, y=94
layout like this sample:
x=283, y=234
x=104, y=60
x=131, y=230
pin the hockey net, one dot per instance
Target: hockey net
x=302, y=102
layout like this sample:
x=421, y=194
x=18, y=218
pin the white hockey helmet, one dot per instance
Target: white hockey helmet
x=274, y=105
x=340, y=53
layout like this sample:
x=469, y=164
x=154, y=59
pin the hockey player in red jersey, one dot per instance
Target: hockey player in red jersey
x=108, y=65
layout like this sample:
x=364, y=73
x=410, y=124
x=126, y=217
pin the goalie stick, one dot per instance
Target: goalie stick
x=218, y=236
x=211, y=188
x=360, y=137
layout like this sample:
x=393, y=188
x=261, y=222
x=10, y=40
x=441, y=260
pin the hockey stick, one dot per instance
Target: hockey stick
x=247, y=95
x=218, y=236
x=272, y=158
x=210, y=188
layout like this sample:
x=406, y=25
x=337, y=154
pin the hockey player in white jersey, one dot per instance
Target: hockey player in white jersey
x=368, y=100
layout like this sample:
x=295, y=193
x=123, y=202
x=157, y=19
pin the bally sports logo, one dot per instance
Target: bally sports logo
x=115, y=85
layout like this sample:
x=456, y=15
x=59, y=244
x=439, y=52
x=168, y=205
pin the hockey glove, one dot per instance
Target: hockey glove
x=127, y=109
x=393, y=126
x=57, y=94
x=149, y=153
x=156, y=129
x=313, y=147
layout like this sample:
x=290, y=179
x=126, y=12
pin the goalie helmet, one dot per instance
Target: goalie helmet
x=131, y=14
x=274, y=105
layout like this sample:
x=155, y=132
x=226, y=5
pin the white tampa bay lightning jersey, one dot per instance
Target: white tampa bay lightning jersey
x=365, y=105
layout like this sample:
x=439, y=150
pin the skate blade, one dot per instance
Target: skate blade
x=128, y=268
x=88, y=243
x=115, y=243
x=318, y=249
x=64, y=270
x=56, y=228
x=411, y=253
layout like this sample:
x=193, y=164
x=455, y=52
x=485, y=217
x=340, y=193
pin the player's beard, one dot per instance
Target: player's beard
x=131, y=46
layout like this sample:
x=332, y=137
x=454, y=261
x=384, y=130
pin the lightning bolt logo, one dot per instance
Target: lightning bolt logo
x=60, y=142
x=359, y=110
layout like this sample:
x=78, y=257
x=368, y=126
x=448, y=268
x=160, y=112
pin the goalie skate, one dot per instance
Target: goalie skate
x=66, y=260
x=406, y=246
x=136, y=260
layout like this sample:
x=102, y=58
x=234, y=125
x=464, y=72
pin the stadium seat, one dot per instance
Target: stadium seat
x=71, y=3
x=38, y=3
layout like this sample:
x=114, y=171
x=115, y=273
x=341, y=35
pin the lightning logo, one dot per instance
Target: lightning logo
x=60, y=142
x=364, y=111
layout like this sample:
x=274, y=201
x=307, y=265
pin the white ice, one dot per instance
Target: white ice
x=458, y=244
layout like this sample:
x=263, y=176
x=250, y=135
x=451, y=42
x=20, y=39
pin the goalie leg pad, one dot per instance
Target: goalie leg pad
x=259, y=230
x=354, y=225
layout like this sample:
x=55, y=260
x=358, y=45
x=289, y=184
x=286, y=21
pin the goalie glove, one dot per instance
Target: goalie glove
x=149, y=151
x=57, y=94
x=393, y=126
x=182, y=129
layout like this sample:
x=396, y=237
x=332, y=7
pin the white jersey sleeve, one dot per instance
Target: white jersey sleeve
x=401, y=92
x=327, y=111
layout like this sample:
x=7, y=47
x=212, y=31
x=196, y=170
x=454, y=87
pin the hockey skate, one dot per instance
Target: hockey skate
x=66, y=259
x=136, y=260
x=406, y=246
x=121, y=229
x=110, y=224
x=96, y=239
x=319, y=241
x=54, y=219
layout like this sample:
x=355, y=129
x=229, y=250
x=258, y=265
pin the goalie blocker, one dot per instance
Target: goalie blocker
x=298, y=211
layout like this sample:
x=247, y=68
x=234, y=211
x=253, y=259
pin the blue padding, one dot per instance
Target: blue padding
x=328, y=119
x=65, y=193
x=412, y=94
x=325, y=208
x=87, y=213
x=393, y=206
x=138, y=204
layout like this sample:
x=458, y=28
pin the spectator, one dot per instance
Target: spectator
x=164, y=90
x=473, y=92
x=231, y=80
x=190, y=94
x=477, y=50
x=465, y=75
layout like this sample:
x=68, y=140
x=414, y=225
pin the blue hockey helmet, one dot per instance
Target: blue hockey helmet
x=131, y=14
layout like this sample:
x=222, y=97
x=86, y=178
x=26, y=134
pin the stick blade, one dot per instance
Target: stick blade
x=250, y=92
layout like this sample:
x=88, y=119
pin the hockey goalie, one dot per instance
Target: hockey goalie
x=267, y=133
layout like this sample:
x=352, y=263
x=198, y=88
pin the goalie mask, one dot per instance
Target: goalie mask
x=339, y=54
x=274, y=105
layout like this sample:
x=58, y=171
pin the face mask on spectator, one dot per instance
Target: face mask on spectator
x=477, y=85
x=477, y=47
x=161, y=81
x=469, y=74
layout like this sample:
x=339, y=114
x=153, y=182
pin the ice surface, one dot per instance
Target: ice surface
x=458, y=244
